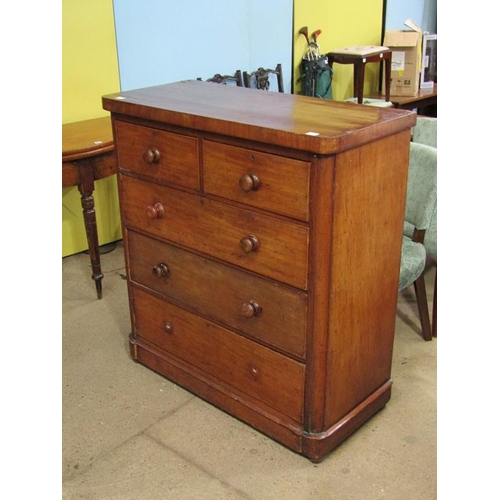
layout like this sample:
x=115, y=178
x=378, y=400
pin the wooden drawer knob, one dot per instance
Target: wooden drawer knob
x=151, y=155
x=156, y=211
x=250, y=309
x=249, y=182
x=254, y=372
x=249, y=243
x=160, y=270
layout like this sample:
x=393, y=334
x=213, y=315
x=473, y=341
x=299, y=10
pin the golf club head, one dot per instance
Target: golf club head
x=305, y=31
x=315, y=35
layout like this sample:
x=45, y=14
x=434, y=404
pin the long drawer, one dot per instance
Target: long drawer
x=258, y=179
x=161, y=155
x=255, y=370
x=273, y=247
x=260, y=308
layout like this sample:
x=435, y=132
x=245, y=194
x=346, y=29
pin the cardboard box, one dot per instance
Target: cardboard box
x=406, y=59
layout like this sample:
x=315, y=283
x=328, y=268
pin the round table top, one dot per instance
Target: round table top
x=86, y=138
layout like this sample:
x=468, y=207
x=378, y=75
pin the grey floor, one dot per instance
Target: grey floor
x=130, y=434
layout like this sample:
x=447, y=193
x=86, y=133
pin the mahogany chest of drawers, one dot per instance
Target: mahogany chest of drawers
x=262, y=235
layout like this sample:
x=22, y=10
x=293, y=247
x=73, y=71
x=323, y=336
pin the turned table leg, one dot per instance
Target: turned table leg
x=86, y=188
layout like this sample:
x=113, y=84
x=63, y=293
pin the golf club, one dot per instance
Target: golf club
x=304, y=31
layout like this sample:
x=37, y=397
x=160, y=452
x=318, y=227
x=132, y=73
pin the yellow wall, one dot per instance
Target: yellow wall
x=342, y=23
x=89, y=70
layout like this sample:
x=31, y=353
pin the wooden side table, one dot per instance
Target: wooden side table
x=88, y=155
x=359, y=61
x=425, y=101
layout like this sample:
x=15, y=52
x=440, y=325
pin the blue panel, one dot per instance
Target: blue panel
x=162, y=41
x=271, y=37
x=421, y=12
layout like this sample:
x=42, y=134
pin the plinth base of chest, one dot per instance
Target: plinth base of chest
x=314, y=446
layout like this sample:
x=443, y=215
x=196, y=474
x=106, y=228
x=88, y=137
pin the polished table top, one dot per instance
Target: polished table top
x=89, y=144
x=86, y=138
x=422, y=94
x=321, y=126
x=423, y=97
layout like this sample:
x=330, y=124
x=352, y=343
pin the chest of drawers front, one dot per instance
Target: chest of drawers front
x=245, y=265
x=218, y=275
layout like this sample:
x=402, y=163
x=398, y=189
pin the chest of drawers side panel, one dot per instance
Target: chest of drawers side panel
x=370, y=196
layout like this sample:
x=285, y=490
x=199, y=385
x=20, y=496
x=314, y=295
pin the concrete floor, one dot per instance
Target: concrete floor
x=130, y=434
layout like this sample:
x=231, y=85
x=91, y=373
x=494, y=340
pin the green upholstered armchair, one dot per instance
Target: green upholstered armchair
x=430, y=245
x=425, y=132
x=421, y=209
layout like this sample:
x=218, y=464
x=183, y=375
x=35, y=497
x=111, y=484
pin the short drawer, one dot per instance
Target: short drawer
x=262, y=180
x=260, y=308
x=275, y=248
x=253, y=369
x=165, y=156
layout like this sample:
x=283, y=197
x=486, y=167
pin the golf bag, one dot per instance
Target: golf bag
x=316, y=78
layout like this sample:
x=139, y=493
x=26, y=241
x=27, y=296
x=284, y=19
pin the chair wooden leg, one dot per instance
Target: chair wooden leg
x=423, y=308
x=434, y=308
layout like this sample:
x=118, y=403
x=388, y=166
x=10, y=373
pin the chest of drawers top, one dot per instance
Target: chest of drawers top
x=297, y=122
